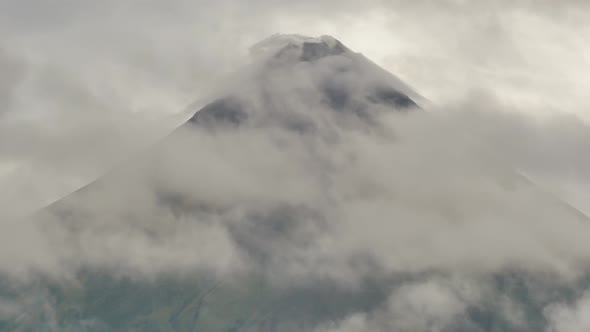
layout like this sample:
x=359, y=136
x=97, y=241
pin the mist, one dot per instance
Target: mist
x=489, y=178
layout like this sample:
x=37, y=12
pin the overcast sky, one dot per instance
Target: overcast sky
x=86, y=84
x=77, y=75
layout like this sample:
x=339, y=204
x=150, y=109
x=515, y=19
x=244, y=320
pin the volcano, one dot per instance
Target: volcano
x=233, y=222
x=293, y=76
x=295, y=91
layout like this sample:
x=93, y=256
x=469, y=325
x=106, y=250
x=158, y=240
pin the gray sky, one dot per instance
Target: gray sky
x=85, y=84
x=114, y=63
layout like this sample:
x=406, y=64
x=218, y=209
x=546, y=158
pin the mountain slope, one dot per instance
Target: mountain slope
x=254, y=215
x=302, y=88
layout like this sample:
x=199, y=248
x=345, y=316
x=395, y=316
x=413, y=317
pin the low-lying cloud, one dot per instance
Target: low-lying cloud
x=448, y=197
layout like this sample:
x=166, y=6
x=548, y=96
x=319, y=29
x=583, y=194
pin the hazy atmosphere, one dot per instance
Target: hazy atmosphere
x=467, y=212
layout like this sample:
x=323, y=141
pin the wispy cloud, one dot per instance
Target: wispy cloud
x=430, y=194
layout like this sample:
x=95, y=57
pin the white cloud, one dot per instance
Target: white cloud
x=421, y=306
x=432, y=191
x=74, y=60
x=572, y=317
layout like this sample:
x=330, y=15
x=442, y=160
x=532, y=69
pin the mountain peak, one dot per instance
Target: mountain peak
x=298, y=47
x=293, y=76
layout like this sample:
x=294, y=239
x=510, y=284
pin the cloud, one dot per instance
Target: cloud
x=8, y=309
x=426, y=306
x=564, y=317
x=84, y=62
x=429, y=190
x=419, y=192
x=13, y=76
x=418, y=195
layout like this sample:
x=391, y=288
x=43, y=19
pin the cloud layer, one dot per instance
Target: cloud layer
x=438, y=195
